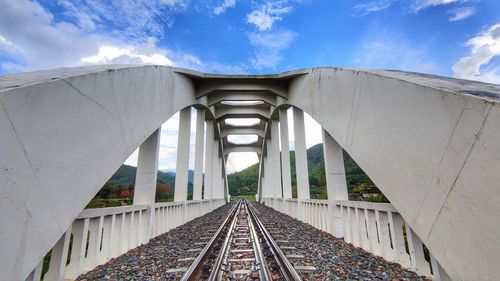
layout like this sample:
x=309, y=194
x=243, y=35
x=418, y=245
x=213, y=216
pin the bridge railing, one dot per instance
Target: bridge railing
x=377, y=228
x=97, y=235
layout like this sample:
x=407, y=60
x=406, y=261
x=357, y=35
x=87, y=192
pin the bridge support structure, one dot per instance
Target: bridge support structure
x=429, y=143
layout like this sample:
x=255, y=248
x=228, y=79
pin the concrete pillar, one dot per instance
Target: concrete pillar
x=145, y=180
x=335, y=182
x=217, y=170
x=182, y=166
x=147, y=168
x=209, y=145
x=198, y=154
x=286, y=174
x=274, y=154
x=300, y=155
x=259, y=183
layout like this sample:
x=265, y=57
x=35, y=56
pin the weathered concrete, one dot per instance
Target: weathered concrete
x=300, y=155
x=429, y=146
x=147, y=169
x=182, y=166
x=429, y=143
x=286, y=173
x=198, y=154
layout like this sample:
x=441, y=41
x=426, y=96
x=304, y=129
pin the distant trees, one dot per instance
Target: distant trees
x=359, y=185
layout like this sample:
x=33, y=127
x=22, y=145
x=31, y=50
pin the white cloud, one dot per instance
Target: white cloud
x=371, y=7
x=388, y=50
x=415, y=6
x=226, y=4
x=419, y=5
x=148, y=54
x=265, y=16
x=483, y=48
x=459, y=14
x=34, y=40
x=269, y=46
x=238, y=161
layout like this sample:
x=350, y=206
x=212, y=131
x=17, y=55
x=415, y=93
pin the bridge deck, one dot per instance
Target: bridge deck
x=315, y=254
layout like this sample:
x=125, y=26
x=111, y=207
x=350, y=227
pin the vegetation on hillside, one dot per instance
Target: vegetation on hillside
x=359, y=185
x=119, y=189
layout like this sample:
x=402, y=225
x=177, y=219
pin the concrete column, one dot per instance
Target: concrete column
x=286, y=174
x=145, y=179
x=335, y=182
x=209, y=145
x=147, y=169
x=334, y=168
x=216, y=170
x=259, y=183
x=182, y=166
x=300, y=155
x=274, y=154
x=198, y=154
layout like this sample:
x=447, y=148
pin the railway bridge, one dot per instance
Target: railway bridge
x=431, y=144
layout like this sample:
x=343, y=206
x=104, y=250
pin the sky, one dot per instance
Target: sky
x=456, y=38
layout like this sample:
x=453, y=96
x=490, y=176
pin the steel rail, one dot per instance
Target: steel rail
x=217, y=267
x=286, y=268
x=196, y=267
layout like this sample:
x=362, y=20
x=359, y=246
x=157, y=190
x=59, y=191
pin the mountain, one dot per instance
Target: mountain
x=172, y=173
x=359, y=185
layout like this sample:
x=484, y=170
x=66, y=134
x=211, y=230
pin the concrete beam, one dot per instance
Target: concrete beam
x=242, y=131
x=243, y=148
x=217, y=97
x=222, y=113
x=208, y=87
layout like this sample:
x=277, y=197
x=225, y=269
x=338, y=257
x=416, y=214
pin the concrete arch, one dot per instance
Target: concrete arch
x=50, y=172
x=430, y=144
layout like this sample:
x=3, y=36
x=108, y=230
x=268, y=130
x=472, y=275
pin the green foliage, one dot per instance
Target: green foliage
x=244, y=182
x=248, y=197
x=119, y=189
x=359, y=185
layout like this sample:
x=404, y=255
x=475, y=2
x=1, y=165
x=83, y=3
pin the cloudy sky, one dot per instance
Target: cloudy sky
x=459, y=38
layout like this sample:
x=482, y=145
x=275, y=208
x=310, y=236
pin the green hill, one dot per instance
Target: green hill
x=119, y=189
x=359, y=185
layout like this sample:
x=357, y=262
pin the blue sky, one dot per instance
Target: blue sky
x=459, y=38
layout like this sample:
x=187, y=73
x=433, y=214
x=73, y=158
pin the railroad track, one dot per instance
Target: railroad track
x=241, y=249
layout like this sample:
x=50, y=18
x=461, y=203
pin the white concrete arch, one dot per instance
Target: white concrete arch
x=67, y=131
x=429, y=143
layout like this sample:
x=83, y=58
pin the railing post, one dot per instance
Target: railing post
x=58, y=258
x=418, y=262
x=80, y=230
x=438, y=272
x=36, y=274
x=398, y=241
x=373, y=232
